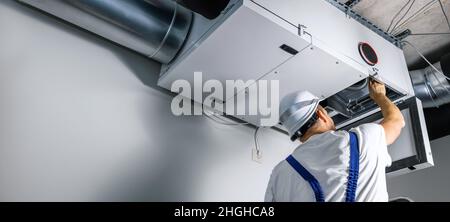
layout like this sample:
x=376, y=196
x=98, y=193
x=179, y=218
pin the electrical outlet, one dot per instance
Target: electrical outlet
x=257, y=156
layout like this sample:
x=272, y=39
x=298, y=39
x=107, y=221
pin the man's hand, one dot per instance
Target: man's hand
x=393, y=121
x=377, y=90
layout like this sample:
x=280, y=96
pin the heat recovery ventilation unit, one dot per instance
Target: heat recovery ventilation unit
x=314, y=45
x=306, y=45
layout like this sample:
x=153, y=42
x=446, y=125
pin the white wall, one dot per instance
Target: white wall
x=431, y=184
x=82, y=120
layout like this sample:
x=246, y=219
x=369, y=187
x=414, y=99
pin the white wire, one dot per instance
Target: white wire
x=443, y=12
x=440, y=83
x=430, y=33
x=255, y=137
x=396, y=16
x=220, y=120
x=423, y=9
x=404, y=15
x=426, y=60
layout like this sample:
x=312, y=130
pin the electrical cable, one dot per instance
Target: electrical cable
x=220, y=120
x=429, y=63
x=423, y=9
x=430, y=33
x=440, y=83
x=428, y=88
x=409, y=19
x=255, y=137
x=396, y=15
x=404, y=15
x=445, y=14
x=426, y=60
x=226, y=123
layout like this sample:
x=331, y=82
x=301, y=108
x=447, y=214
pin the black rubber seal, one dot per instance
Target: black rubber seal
x=367, y=53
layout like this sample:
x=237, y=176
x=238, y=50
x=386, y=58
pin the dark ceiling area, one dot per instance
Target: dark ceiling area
x=438, y=121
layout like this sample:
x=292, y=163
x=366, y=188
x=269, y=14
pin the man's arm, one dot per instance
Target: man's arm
x=393, y=121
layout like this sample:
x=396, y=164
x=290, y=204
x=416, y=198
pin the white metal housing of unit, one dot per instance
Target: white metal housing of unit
x=306, y=45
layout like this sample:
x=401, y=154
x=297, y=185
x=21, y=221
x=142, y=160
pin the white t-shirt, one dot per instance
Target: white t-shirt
x=326, y=156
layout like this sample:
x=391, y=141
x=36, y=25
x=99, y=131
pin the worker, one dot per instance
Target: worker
x=332, y=165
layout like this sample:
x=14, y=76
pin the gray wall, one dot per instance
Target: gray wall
x=82, y=120
x=432, y=184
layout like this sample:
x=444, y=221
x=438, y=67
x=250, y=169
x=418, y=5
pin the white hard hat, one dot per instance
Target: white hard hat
x=296, y=110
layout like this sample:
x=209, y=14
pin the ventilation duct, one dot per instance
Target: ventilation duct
x=430, y=86
x=154, y=28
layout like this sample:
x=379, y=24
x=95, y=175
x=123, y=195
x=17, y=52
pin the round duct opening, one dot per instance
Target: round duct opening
x=368, y=54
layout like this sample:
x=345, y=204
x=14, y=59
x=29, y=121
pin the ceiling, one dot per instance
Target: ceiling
x=430, y=20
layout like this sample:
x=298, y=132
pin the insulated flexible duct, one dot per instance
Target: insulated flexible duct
x=430, y=86
x=155, y=28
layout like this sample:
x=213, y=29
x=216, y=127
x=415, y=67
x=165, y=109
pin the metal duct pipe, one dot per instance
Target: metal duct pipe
x=430, y=86
x=155, y=28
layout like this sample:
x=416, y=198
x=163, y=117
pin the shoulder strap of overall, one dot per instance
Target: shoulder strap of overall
x=353, y=168
x=308, y=177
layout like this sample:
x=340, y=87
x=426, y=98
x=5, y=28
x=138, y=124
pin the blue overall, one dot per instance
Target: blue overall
x=352, y=174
